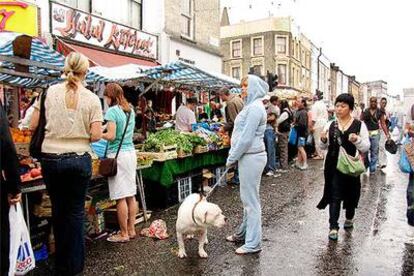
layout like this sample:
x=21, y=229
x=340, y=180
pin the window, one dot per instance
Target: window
x=281, y=45
x=187, y=18
x=236, y=49
x=235, y=72
x=257, y=46
x=258, y=70
x=77, y=4
x=136, y=14
x=281, y=72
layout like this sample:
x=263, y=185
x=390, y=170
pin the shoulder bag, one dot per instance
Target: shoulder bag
x=348, y=164
x=108, y=166
x=38, y=136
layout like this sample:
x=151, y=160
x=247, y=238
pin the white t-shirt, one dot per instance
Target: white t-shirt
x=184, y=118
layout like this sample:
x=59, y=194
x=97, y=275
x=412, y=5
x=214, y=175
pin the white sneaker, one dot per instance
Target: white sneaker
x=281, y=171
x=384, y=170
x=270, y=173
x=304, y=167
x=277, y=175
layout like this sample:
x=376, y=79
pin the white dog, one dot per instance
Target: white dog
x=194, y=216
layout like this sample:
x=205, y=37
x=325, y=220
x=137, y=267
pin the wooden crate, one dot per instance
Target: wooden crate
x=181, y=154
x=200, y=149
x=161, y=156
x=22, y=148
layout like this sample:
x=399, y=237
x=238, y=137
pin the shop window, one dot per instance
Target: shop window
x=257, y=46
x=83, y=5
x=128, y=12
x=187, y=18
x=236, y=72
x=281, y=72
x=236, y=49
x=281, y=45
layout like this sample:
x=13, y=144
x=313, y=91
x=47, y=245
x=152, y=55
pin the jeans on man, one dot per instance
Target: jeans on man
x=67, y=179
x=410, y=200
x=270, y=143
x=373, y=152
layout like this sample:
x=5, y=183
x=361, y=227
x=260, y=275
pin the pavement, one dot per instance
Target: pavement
x=295, y=234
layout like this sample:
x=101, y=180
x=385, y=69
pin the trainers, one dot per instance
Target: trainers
x=277, y=175
x=349, y=224
x=333, y=235
x=281, y=171
x=384, y=170
x=304, y=167
x=270, y=173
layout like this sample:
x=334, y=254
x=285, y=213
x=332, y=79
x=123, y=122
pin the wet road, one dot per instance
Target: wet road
x=294, y=231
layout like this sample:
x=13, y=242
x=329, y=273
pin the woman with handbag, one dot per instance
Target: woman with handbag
x=344, y=138
x=122, y=185
x=67, y=119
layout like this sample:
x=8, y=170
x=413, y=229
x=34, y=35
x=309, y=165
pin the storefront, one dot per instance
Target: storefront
x=104, y=42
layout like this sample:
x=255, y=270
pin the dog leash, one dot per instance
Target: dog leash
x=217, y=182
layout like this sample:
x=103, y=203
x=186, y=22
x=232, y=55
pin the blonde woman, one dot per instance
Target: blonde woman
x=73, y=120
x=122, y=187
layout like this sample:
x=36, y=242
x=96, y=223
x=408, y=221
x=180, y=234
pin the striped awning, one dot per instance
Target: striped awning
x=40, y=52
x=187, y=75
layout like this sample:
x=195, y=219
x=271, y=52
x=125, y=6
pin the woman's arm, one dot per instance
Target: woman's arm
x=283, y=117
x=34, y=122
x=110, y=133
x=362, y=143
x=253, y=119
x=324, y=142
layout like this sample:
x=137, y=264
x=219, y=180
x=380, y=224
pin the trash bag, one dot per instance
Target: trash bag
x=21, y=255
x=157, y=229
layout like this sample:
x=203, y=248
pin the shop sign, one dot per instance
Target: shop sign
x=83, y=27
x=19, y=17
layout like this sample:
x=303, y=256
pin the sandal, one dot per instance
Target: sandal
x=242, y=251
x=117, y=238
x=234, y=238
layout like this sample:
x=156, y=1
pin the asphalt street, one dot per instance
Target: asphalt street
x=295, y=234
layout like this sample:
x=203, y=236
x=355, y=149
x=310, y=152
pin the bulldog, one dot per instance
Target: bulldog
x=195, y=215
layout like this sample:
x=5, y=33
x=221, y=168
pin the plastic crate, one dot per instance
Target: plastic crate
x=185, y=188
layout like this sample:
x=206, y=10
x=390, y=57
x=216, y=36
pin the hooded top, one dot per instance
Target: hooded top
x=250, y=124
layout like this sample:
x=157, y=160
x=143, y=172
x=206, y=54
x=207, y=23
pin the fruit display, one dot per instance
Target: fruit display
x=29, y=169
x=20, y=136
x=144, y=160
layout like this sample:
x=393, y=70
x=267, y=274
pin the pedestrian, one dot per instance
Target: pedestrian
x=301, y=125
x=352, y=135
x=248, y=149
x=73, y=120
x=319, y=120
x=270, y=143
x=274, y=106
x=384, y=135
x=9, y=187
x=374, y=120
x=185, y=116
x=409, y=130
x=234, y=105
x=122, y=187
x=284, y=122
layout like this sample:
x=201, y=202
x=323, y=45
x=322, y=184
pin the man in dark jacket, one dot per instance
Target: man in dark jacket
x=9, y=187
x=234, y=104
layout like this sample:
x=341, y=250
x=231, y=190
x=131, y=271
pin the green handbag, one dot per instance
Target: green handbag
x=348, y=164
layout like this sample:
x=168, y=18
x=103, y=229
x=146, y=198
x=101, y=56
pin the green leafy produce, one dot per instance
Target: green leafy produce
x=156, y=141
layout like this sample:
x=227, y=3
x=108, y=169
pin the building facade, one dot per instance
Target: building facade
x=189, y=31
x=273, y=45
x=377, y=89
x=321, y=74
x=354, y=89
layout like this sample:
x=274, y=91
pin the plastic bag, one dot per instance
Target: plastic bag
x=404, y=163
x=293, y=136
x=157, y=229
x=21, y=253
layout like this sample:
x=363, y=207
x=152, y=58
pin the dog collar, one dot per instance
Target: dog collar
x=192, y=213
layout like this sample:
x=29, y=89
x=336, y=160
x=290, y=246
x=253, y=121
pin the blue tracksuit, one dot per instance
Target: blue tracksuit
x=248, y=149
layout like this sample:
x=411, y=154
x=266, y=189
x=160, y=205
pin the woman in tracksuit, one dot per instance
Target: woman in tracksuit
x=248, y=149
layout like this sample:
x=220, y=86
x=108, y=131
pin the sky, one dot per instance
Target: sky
x=371, y=39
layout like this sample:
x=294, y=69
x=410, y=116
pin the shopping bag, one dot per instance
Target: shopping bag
x=404, y=162
x=293, y=136
x=21, y=255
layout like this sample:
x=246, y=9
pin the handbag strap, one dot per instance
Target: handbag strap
x=122, y=138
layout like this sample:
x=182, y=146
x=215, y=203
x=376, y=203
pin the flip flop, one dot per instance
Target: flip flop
x=117, y=238
x=241, y=251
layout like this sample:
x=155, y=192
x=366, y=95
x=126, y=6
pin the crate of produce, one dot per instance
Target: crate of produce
x=161, y=156
x=144, y=160
x=200, y=149
x=95, y=167
x=181, y=154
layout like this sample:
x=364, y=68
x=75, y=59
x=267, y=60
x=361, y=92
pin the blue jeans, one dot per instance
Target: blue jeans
x=410, y=200
x=373, y=152
x=270, y=143
x=251, y=167
x=67, y=179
